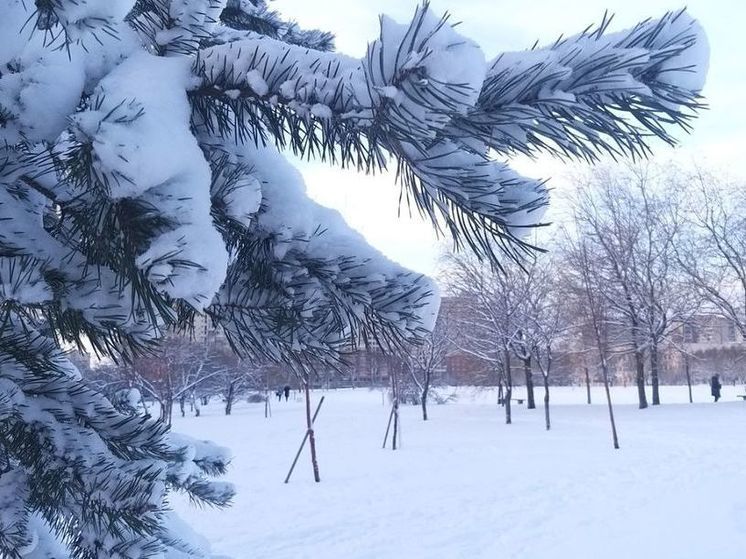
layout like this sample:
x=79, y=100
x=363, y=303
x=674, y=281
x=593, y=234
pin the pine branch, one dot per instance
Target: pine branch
x=355, y=113
x=593, y=93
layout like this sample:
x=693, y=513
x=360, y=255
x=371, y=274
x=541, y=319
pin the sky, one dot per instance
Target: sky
x=370, y=204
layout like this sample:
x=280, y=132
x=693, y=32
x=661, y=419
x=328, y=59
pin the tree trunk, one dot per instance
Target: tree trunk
x=688, y=376
x=639, y=378
x=654, y=378
x=546, y=400
x=167, y=410
x=311, y=436
x=605, y=373
x=425, y=391
x=588, y=384
x=168, y=403
x=195, y=405
x=531, y=403
x=229, y=398
x=508, y=387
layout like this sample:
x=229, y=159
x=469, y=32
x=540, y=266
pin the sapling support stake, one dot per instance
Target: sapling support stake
x=305, y=438
x=309, y=426
x=394, y=413
x=688, y=376
x=388, y=427
x=267, y=405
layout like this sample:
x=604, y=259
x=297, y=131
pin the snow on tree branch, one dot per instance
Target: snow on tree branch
x=424, y=95
x=595, y=92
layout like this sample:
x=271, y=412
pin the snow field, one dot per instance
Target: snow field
x=467, y=485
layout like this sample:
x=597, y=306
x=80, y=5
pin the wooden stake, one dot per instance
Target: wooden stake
x=267, y=405
x=311, y=437
x=395, y=392
x=688, y=376
x=388, y=427
x=303, y=442
x=396, y=425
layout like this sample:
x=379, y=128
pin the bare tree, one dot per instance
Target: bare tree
x=234, y=377
x=667, y=297
x=546, y=313
x=712, y=249
x=494, y=301
x=523, y=344
x=174, y=374
x=629, y=217
x=424, y=362
x=606, y=216
x=582, y=279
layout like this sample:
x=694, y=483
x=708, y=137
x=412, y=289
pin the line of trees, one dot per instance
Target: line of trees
x=624, y=278
x=643, y=254
x=184, y=372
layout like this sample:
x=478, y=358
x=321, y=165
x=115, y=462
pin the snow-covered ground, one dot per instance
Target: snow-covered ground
x=465, y=485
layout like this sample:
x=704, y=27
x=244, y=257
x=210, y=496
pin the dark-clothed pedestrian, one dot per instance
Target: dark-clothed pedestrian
x=715, y=387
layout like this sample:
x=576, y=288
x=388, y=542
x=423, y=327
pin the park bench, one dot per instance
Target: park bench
x=742, y=396
x=501, y=401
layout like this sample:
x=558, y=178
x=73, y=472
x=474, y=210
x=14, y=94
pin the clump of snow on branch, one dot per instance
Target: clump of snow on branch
x=142, y=147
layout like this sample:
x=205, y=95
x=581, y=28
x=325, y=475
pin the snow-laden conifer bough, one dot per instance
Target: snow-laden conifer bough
x=143, y=183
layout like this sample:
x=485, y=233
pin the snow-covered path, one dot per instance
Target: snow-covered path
x=467, y=485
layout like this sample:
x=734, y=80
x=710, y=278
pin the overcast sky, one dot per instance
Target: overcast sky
x=371, y=204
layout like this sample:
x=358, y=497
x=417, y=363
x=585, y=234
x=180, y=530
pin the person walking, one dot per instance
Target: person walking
x=715, y=387
x=287, y=392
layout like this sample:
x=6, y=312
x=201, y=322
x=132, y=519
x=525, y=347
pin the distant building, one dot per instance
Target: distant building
x=709, y=331
x=462, y=367
x=204, y=331
x=711, y=343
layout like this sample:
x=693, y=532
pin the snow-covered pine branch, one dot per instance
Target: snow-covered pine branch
x=69, y=453
x=594, y=92
x=301, y=281
x=256, y=16
x=424, y=95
